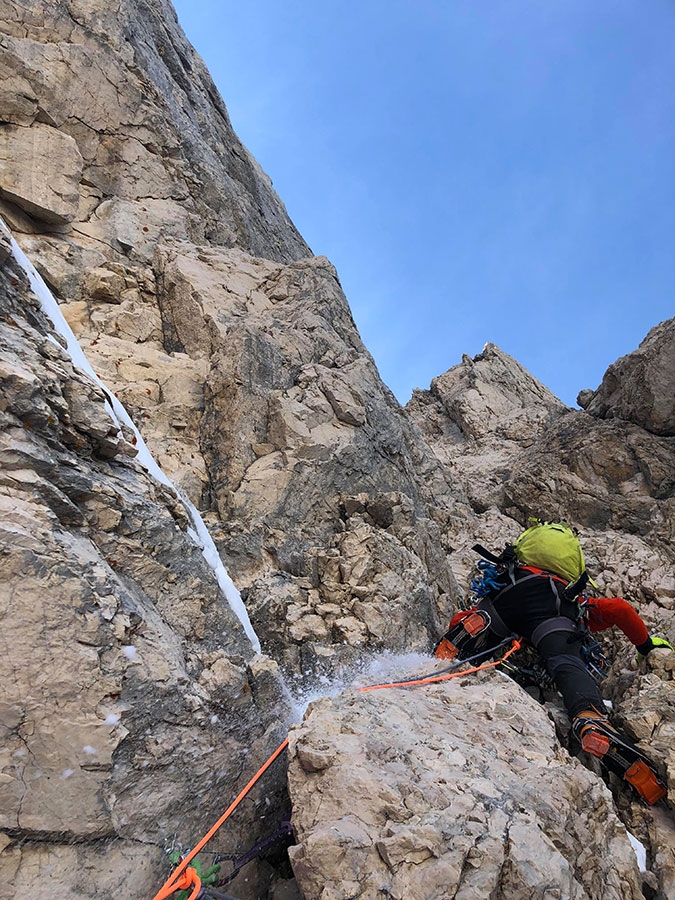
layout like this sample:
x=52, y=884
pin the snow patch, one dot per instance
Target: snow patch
x=202, y=538
x=130, y=652
x=640, y=852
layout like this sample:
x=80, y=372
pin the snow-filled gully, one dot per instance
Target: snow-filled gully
x=198, y=532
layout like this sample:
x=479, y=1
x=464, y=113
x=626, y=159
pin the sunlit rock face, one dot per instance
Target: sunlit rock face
x=134, y=707
x=480, y=416
x=115, y=100
x=460, y=790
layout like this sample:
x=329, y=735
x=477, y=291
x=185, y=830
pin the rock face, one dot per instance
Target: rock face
x=158, y=154
x=131, y=696
x=640, y=387
x=134, y=707
x=455, y=790
x=530, y=455
x=232, y=347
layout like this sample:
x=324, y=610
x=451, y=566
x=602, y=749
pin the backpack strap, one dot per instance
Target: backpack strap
x=480, y=549
x=573, y=590
x=497, y=624
x=507, y=558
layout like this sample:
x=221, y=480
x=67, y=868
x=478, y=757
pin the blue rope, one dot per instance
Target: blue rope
x=487, y=582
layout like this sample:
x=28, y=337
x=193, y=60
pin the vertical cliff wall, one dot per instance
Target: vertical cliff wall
x=232, y=347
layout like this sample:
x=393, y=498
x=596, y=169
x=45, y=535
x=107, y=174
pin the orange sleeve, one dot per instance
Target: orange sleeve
x=603, y=612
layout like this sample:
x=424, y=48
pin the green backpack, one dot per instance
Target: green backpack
x=553, y=547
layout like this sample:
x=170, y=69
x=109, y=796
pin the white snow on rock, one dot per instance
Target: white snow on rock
x=199, y=532
x=201, y=536
x=640, y=852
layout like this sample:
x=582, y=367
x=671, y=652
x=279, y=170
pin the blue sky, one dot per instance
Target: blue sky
x=477, y=170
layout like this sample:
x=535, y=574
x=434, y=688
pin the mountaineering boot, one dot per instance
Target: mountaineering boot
x=617, y=754
x=590, y=728
x=460, y=640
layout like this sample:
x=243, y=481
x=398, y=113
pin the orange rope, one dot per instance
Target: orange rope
x=434, y=679
x=170, y=885
x=183, y=877
x=189, y=879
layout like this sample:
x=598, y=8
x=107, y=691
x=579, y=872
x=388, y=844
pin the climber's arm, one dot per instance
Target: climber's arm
x=603, y=612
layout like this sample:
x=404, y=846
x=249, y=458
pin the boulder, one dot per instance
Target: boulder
x=452, y=790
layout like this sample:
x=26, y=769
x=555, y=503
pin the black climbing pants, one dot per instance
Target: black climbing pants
x=565, y=665
x=527, y=605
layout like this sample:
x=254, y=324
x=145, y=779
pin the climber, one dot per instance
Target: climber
x=534, y=590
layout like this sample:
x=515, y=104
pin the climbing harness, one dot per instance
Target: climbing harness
x=185, y=876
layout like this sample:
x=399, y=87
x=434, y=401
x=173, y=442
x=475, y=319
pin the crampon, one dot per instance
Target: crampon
x=463, y=638
x=618, y=755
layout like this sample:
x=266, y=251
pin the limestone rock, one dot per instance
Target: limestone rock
x=149, y=135
x=598, y=473
x=458, y=790
x=584, y=397
x=5, y=247
x=640, y=387
x=479, y=416
x=383, y=583
x=277, y=429
x=128, y=706
x=492, y=393
x=40, y=171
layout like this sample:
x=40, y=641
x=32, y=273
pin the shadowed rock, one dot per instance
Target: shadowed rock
x=640, y=387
